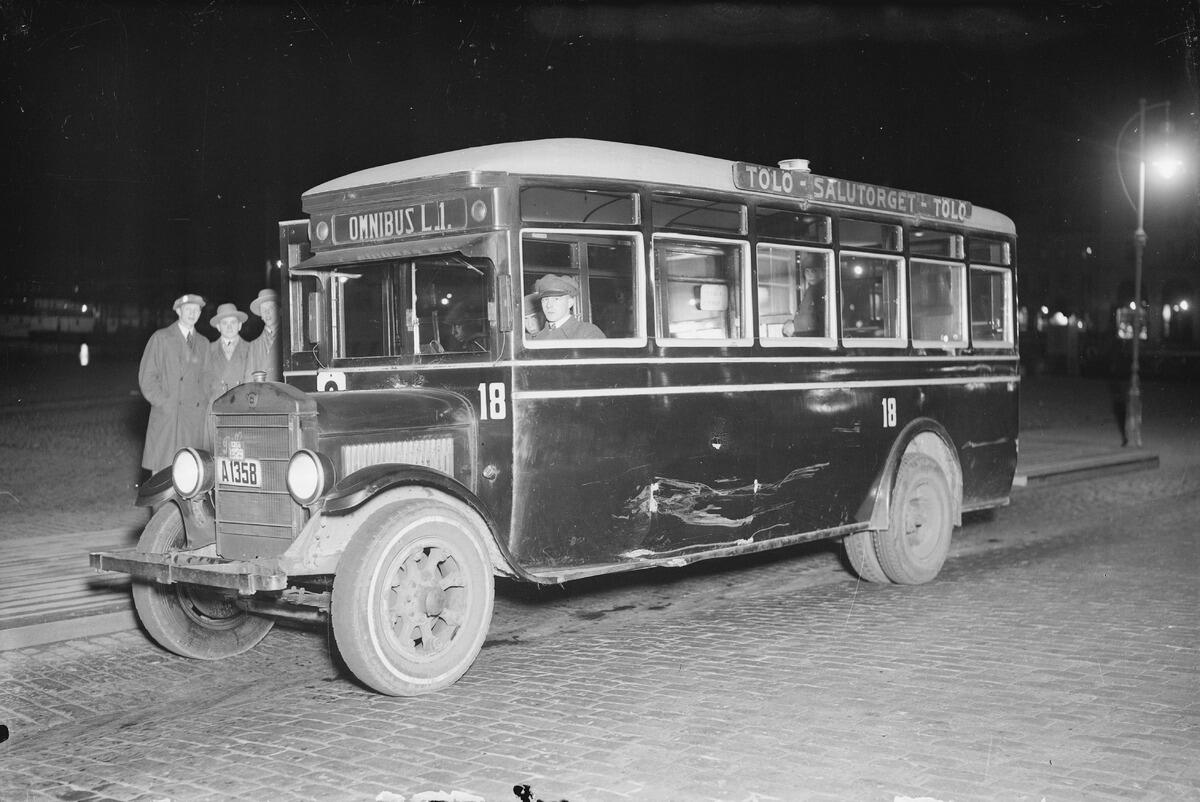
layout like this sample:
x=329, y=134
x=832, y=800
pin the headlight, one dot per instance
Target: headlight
x=309, y=476
x=192, y=472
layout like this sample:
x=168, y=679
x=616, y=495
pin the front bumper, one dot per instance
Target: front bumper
x=246, y=578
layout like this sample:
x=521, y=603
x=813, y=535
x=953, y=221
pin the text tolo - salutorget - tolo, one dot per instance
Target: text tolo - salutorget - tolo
x=821, y=188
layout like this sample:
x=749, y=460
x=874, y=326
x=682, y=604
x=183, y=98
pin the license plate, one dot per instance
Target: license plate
x=239, y=472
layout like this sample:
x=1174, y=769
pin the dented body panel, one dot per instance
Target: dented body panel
x=728, y=453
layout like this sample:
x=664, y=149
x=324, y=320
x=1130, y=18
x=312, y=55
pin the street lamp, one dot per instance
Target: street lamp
x=1167, y=166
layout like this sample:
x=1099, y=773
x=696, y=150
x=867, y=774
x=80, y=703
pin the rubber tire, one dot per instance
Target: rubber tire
x=860, y=551
x=390, y=548
x=914, y=547
x=191, y=620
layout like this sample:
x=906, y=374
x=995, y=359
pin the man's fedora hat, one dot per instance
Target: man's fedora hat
x=264, y=296
x=227, y=310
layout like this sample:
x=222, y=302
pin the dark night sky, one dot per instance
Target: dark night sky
x=151, y=147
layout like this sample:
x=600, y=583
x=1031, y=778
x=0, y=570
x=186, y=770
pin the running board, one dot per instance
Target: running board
x=639, y=559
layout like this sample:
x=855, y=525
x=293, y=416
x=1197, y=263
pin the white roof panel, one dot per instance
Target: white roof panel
x=569, y=157
x=583, y=158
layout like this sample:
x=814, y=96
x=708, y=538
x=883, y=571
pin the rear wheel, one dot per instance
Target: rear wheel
x=860, y=551
x=413, y=596
x=191, y=620
x=914, y=547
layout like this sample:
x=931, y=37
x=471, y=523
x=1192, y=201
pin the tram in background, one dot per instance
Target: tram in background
x=781, y=357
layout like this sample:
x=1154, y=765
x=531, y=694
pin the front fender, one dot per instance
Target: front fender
x=156, y=490
x=361, y=486
x=336, y=518
x=199, y=514
x=923, y=435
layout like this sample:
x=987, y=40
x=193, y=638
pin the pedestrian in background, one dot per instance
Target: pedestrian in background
x=173, y=377
x=265, y=354
x=229, y=355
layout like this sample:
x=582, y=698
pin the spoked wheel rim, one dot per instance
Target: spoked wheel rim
x=424, y=599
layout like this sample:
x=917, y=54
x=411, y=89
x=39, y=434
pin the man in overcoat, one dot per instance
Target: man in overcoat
x=265, y=350
x=229, y=354
x=173, y=377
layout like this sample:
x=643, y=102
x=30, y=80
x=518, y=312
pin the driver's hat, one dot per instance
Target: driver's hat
x=550, y=286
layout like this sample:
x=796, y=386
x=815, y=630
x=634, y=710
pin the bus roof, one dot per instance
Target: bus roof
x=581, y=158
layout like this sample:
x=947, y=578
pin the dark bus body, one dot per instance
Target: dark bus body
x=404, y=462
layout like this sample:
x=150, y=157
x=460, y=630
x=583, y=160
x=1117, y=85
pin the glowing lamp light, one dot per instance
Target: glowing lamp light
x=1183, y=306
x=1167, y=163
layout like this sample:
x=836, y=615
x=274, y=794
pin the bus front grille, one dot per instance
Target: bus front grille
x=257, y=522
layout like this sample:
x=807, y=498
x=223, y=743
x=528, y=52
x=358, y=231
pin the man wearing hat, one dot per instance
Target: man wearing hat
x=265, y=350
x=558, y=295
x=173, y=377
x=229, y=355
x=533, y=314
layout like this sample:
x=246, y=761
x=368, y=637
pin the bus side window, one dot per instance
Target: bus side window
x=604, y=265
x=871, y=291
x=938, y=302
x=701, y=288
x=794, y=292
x=991, y=307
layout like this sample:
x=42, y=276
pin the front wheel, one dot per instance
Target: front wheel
x=914, y=546
x=191, y=620
x=413, y=596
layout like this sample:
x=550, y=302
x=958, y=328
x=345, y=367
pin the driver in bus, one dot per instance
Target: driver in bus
x=559, y=295
x=809, y=320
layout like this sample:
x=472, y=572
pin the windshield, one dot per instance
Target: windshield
x=429, y=305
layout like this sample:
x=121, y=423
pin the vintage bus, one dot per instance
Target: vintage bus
x=721, y=358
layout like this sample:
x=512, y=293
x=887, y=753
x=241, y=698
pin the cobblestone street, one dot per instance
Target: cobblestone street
x=1055, y=658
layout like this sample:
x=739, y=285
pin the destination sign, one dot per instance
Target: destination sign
x=396, y=222
x=822, y=189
